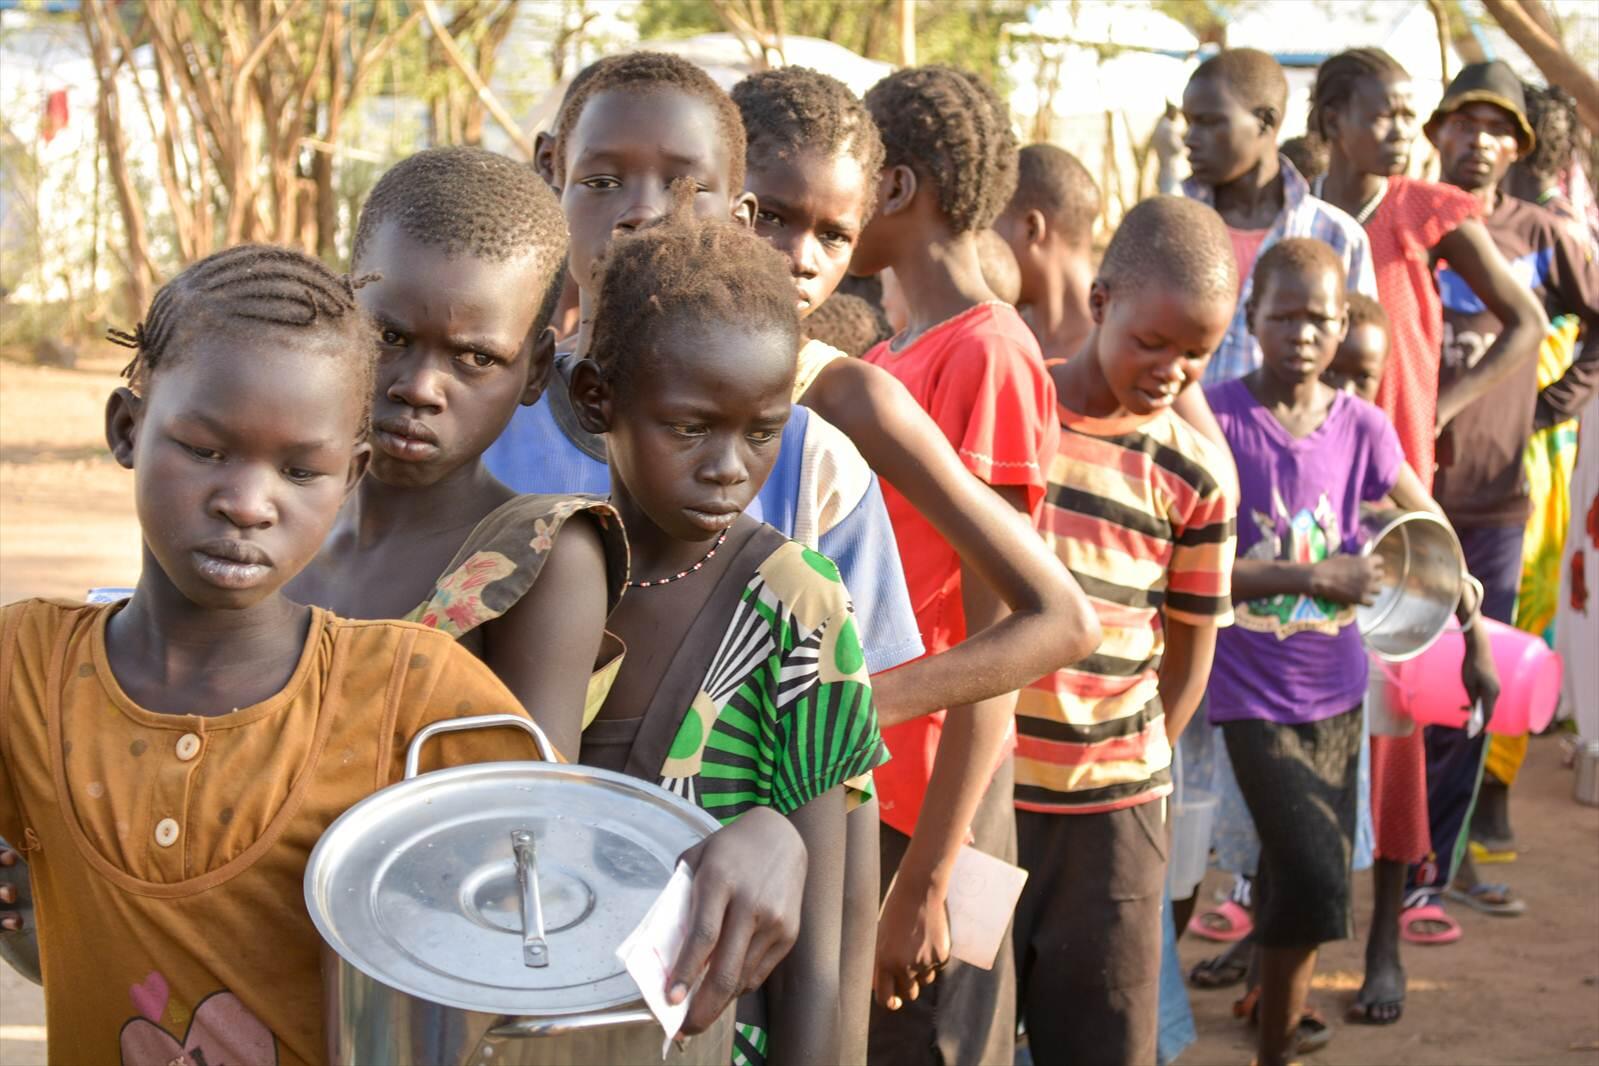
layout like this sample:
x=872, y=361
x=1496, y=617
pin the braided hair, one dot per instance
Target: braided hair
x=686, y=269
x=954, y=131
x=1553, y=117
x=646, y=72
x=259, y=284
x=468, y=201
x=794, y=109
x=1338, y=76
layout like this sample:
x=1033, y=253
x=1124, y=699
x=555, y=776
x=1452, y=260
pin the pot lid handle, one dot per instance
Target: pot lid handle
x=413, y=754
x=535, y=951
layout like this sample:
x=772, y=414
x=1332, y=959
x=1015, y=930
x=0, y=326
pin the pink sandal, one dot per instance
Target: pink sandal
x=1430, y=912
x=1225, y=923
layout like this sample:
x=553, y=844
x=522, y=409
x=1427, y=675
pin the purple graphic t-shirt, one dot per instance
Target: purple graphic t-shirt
x=1296, y=659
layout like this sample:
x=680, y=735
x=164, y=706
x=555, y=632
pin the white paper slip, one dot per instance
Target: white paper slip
x=650, y=950
x=982, y=897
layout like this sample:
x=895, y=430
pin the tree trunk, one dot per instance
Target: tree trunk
x=907, y=33
x=1550, y=58
x=108, y=117
x=1440, y=15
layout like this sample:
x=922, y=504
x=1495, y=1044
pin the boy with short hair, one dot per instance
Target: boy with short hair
x=1140, y=509
x=1234, y=106
x=1049, y=225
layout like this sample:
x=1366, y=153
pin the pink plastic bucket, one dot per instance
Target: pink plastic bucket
x=1529, y=681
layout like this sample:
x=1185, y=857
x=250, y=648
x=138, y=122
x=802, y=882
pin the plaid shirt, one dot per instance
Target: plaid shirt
x=1303, y=215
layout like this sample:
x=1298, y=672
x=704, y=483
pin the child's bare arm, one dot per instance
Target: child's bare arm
x=543, y=648
x=1340, y=579
x=1473, y=255
x=913, y=933
x=1050, y=623
x=1184, y=672
x=803, y=992
x=749, y=887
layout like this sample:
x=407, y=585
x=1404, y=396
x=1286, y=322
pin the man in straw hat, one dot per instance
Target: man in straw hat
x=1480, y=128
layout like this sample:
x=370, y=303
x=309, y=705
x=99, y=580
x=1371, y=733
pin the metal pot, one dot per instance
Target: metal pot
x=1422, y=573
x=472, y=915
x=1585, y=787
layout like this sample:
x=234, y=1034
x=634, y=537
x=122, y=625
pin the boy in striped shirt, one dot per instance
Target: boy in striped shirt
x=1140, y=508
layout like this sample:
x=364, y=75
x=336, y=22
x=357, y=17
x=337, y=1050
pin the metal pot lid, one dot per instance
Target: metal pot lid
x=418, y=887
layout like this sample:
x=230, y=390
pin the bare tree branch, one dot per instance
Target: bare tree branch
x=453, y=51
x=1551, y=59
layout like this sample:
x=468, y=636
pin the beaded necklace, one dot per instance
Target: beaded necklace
x=682, y=573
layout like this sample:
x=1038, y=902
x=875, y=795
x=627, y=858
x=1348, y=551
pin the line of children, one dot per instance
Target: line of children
x=1290, y=678
x=1234, y=105
x=451, y=241
x=281, y=420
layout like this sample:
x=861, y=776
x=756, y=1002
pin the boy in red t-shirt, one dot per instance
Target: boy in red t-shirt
x=970, y=360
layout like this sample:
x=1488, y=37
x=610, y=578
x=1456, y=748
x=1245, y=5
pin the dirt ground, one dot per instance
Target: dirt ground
x=1522, y=990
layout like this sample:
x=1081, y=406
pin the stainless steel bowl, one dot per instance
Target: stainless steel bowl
x=1422, y=576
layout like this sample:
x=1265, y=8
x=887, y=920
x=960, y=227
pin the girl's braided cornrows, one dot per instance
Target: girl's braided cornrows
x=253, y=283
x=794, y=109
x=952, y=129
x=1337, y=77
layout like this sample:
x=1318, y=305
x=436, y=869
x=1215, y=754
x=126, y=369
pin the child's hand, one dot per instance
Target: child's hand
x=1479, y=674
x=912, y=942
x=1347, y=579
x=10, y=920
x=749, y=883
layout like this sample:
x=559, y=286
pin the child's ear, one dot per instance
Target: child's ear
x=743, y=209
x=541, y=364
x=1249, y=315
x=592, y=396
x=123, y=410
x=1343, y=325
x=1098, y=299
x=1036, y=226
x=544, y=158
x=896, y=190
x=360, y=458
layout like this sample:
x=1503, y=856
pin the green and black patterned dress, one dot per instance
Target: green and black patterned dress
x=782, y=714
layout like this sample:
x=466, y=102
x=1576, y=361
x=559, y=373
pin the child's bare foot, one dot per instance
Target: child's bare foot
x=1381, y=999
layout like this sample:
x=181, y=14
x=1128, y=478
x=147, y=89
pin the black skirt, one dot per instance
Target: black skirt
x=1299, y=782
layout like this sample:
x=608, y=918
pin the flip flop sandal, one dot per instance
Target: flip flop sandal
x=1476, y=897
x=1375, y=1012
x=1220, y=971
x=1312, y=1033
x=1482, y=853
x=1225, y=923
x=1431, y=912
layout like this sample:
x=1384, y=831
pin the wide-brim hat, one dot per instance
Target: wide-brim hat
x=1486, y=83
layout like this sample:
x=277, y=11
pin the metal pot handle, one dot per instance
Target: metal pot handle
x=413, y=754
